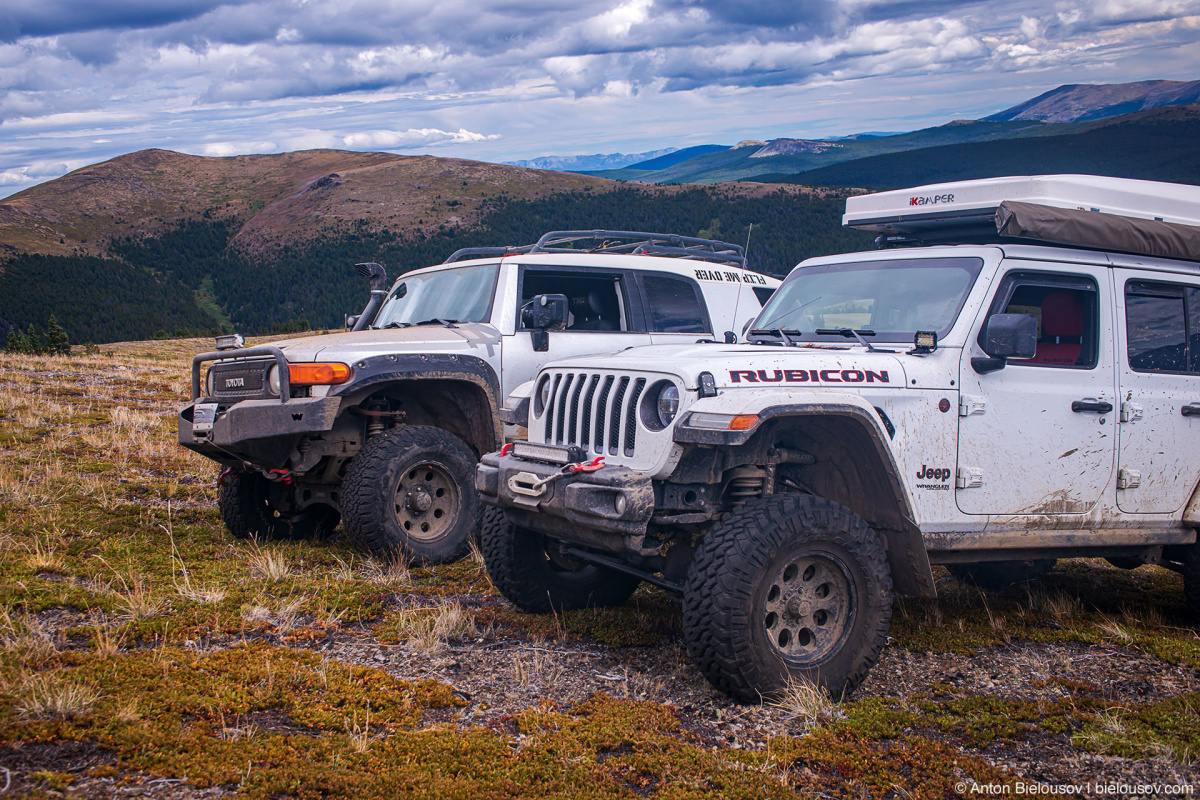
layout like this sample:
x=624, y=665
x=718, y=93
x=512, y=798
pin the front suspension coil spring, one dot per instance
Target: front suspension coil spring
x=746, y=487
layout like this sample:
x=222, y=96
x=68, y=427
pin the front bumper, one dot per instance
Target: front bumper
x=261, y=432
x=580, y=508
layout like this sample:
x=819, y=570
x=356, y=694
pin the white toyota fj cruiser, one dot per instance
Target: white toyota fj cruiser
x=990, y=405
x=383, y=425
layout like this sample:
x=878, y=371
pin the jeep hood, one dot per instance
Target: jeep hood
x=352, y=346
x=756, y=366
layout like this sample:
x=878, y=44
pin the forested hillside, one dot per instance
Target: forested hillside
x=1159, y=145
x=190, y=279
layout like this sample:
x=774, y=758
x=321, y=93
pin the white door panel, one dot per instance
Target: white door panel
x=1158, y=443
x=1031, y=441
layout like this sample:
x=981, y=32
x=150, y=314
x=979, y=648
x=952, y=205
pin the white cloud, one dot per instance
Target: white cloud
x=412, y=137
x=98, y=77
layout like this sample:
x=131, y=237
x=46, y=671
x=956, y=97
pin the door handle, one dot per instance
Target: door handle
x=1191, y=410
x=1099, y=406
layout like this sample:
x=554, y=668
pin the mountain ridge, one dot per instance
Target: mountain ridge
x=1083, y=102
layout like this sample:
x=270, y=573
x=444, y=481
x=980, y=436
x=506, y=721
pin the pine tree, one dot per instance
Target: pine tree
x=15, y=342
x=57, y=341
x=34, y=343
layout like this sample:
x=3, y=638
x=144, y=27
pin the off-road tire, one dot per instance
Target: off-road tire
x=1191, y=581
x=246, y=507
x=998, y=574
x=738, y=569
x=520, y=566
x=373, y=514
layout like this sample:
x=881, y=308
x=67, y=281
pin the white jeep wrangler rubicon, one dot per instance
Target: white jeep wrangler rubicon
x=989, y=405
x=383, y=425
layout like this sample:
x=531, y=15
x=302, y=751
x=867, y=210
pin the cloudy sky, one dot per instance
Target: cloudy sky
x=499, y=80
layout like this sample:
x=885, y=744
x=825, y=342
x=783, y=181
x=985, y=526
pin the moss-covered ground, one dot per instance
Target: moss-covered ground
x=141, y=649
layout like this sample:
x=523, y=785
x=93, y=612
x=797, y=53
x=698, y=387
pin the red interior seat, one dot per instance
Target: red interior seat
x=1062, y=330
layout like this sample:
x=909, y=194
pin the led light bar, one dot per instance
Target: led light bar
x=547, y=453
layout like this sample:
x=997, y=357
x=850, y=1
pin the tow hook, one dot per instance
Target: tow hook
x=225, y=476
x=280, y=475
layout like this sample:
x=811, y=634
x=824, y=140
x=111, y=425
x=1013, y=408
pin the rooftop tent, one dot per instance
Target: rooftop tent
x=1131, y=216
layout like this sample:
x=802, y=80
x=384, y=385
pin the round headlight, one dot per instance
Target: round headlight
x=273, y=379
x=543, y=396
x=208, y=384
x=668, y=404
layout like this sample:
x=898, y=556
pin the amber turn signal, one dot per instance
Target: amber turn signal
x=743, y=422
x=317, y=374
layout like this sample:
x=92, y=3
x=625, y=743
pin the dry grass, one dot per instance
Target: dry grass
x=283, y=618
x=26, y=638
x=360, y=735
x=185, y=587
x=44, y=557
x=1060, y=606
x=808, y=703
x=107, y=642
x=268, y=563
x=46, y=696
x=533, y=667
x=1112, y=628
x=429, y=628
x=392, y=574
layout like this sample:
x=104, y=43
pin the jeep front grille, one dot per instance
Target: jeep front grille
x=594, y=411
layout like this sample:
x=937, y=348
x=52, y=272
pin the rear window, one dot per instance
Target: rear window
x=1162, y=325
x=674, y=305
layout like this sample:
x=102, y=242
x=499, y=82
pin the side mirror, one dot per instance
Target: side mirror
x=1006, y=336
x=730, y=337
x=545, y=312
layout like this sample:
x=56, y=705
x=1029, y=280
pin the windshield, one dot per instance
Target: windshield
x=894, y=299
x=455, y=295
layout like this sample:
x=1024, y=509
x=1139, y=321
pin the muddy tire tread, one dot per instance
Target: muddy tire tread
x=365, y=517
x=516, y=563
x=718, y=593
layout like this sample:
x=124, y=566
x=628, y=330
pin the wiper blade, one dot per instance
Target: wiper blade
x=397, y=325
x=851, y=333
x=449, y=323
x=784, y=334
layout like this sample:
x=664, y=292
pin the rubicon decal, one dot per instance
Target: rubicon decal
x=931, y=200
x=808, y=376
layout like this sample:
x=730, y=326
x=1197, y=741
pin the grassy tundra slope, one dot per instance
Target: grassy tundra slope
x=143, y=651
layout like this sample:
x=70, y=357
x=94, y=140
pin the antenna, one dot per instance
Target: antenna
x=737, y=304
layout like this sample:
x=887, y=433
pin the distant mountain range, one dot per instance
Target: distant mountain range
x=1062, y=111
x=1161, y=144
x=592, y=162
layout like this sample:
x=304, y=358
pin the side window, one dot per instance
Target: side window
x=1067, y=308
x=674, y=304
x=763, y=293
x=596, y=301
x=1162, y=324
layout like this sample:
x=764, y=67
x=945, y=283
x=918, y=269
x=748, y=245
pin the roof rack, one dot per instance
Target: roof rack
x=632, y=242
x=465, y=253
